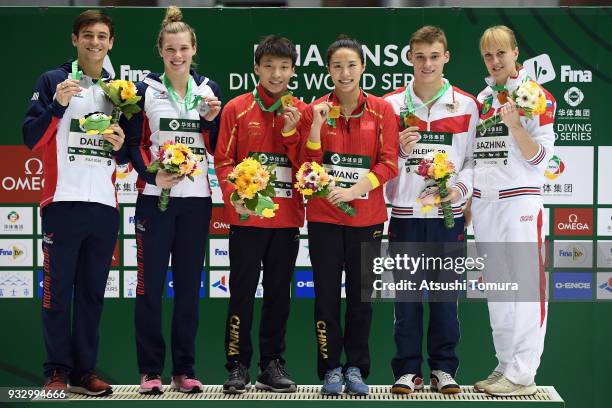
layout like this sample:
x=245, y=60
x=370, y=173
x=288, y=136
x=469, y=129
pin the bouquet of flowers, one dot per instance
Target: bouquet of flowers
x=122, y=94
x=254, y=187
x=175, y=158
x=439, y=169
x=313, y=180
x=530, y=100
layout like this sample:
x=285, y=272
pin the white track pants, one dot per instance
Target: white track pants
x=518, y=327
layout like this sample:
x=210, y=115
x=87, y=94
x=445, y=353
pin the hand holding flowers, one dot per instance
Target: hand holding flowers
x=528, y=99
x=439, y=169
x=175, y=159
x=313, y=180
x=254, y=188
x=122, y=94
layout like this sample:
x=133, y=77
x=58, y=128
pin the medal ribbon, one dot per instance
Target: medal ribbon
x=410, y=105
x=332, y=122
x=189, y=102
x=274, y=107
x=76, y=73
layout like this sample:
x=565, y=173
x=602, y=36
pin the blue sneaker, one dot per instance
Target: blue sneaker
x=354, y=382
x=332, y=384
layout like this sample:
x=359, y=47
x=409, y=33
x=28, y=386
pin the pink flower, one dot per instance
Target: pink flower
x=424, y=166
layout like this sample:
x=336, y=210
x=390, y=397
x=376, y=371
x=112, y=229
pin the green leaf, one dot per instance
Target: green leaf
x=234, y=196
x=268, y=191
x=190, y=177
x=133, y=108
x=153, y=167
x=251, y=203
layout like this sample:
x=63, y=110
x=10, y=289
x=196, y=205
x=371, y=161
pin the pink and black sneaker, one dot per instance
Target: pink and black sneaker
x=151, y=384
x=186, y=383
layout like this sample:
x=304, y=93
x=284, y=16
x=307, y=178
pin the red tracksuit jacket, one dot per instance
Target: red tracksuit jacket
x=246, y=129
x=351, y=150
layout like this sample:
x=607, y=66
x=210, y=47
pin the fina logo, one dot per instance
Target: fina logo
x=540, y=68
x=570, y=75
x=16, y=252
x=573, y=224
x=575, y=253
x=221, y=251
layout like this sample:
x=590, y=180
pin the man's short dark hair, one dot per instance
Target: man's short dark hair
x=90, y=17
x=276, y=46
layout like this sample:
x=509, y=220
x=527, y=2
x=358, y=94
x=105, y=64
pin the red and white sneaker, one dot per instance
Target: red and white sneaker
x=407, y=384
x=187, y=384
x=151, y=384
x=443, y=382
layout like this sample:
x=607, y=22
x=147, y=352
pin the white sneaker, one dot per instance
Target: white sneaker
x=491, y=379
x=506, y=388
x=406, y=384
x=443, y=382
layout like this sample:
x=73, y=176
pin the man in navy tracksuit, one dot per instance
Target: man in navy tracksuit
x=80, y=219
x=435, y=116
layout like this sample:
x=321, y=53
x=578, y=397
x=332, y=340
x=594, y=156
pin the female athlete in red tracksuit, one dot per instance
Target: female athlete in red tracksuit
x=359, y=149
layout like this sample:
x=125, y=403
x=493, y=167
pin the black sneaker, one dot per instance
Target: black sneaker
x=274, y=378
x=238, y=381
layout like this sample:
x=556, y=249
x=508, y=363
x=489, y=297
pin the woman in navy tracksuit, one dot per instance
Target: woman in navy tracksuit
x=181, y=106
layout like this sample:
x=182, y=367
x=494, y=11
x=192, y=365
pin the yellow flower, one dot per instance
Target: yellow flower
x=241, y=184
x=317, y=167
x=196, y=172
x=248, y=166
x=250, y=191
x=128, y=91
x=307, y=191
x=187, y=167
x=541, y=105
x=439, y=171
x=263, y=175
x=440, y=157
x=177, y=157
x=268, y=213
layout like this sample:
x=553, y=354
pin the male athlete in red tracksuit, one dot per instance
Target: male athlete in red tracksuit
x=256, y=122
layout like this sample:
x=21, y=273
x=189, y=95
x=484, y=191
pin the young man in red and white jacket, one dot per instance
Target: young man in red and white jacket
x=434, y=117
x=257, y=122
